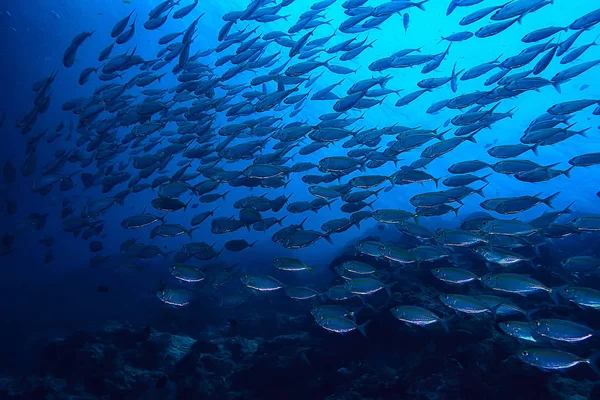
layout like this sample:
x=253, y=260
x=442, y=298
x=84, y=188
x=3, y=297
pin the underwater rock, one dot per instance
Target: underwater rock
x=123, y=362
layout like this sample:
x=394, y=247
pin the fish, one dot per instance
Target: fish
x=71, y=51
x=552, y=359
x=238, y=245
x=339, y=324
x=465, y=304
x=562, y=330
x=418, y=316
x=582, y=296
x=261, y=283
x=520, y=330
x=454, y=275
x=518, y=284
x=187, y=273
x=175, y=297
x=581, y=264
x=366, y=286
x=301, y=293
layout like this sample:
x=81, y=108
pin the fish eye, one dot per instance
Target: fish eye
x=484, y=223
x=537, y=323
x=525, y=353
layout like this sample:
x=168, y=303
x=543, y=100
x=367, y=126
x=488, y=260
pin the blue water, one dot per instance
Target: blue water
x=42, y=301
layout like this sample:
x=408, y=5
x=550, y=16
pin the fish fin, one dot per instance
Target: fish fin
x=480, y=190
x=593, y=362
x=420, y=5
x=567, y=209
x=548, y=200
x=494, y=310
x=189, y=232
x=557, y=87
x=301, y=226
x=361, y=328
x=582, y=132
x=444, y=323
x=567, y=172
x=328, y=238
x=528, y=313
x=534, y=148
x=484, y=178
x=554, y=295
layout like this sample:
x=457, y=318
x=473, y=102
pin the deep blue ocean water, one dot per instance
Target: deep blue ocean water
x=42, y=300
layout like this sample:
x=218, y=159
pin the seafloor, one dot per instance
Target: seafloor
x=271, y=349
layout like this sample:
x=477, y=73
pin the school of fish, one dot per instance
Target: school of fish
x=135, y=135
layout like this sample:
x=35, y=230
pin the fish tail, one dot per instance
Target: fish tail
x=582, y=132
x=534, y=148
x=301, y=226
x=567, y=172
x=420, y=5
x=548, y=200
x=528, y=313
x=480, y=190
x=361, y=328
x=329, y=204
x=567, y=210
x=388, y=288
x=557, y=87
x=444, y=323
x=494, y=310
x=593, y=362
x=484, y=178
x=328, y=238
x=168, y=253
x=554, y=295
x=456, y=209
